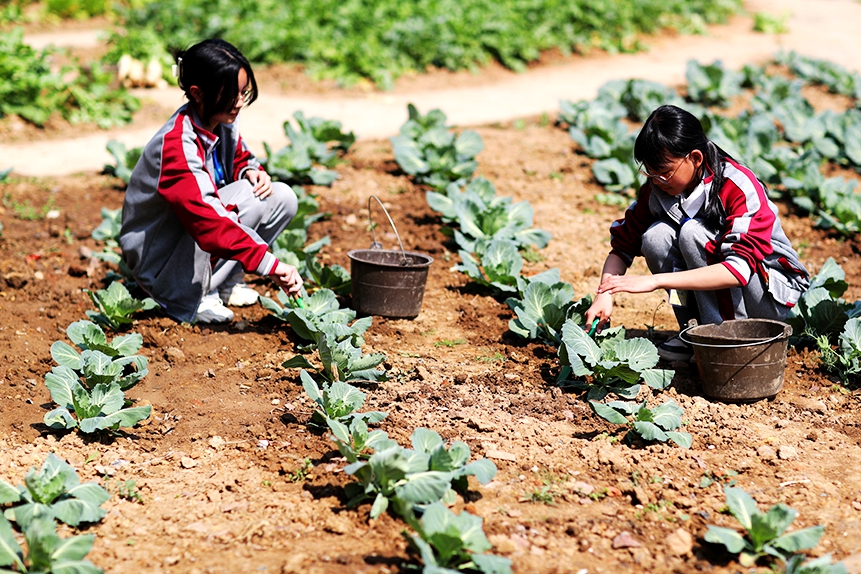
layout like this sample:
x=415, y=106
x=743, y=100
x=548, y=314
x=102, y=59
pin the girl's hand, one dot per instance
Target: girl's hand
x=287, y=277
x=601, y=309
x=628, y=284
x=261, y=181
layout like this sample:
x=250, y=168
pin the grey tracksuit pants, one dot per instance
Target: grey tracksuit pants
x=669, y=247
x=266, y=217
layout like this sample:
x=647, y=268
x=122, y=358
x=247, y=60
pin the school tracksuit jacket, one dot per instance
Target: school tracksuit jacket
x=175, y=226
x=751, y=242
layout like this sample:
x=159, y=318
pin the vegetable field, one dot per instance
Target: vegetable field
x=490, y=433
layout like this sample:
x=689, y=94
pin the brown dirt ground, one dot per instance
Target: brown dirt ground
x=218, y=500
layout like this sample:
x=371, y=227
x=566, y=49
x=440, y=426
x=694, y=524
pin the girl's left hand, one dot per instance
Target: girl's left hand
x=261, y=181
x=628, y=284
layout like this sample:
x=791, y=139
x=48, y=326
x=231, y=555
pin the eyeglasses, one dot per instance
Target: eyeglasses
x=663, y=179
x=244, y=97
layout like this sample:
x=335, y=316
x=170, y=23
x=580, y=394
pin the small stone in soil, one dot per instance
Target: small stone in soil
x=625, y=540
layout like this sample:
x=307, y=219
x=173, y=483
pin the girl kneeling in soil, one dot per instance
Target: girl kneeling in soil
x=200, y=211
x=704, y=224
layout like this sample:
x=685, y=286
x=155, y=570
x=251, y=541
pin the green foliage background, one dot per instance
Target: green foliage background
x=383, y=39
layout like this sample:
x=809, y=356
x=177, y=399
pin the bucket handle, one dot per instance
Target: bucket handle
x=376, y=244
x=786, y=332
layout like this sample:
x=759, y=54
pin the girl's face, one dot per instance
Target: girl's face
x=679, y=175
x=244, y=87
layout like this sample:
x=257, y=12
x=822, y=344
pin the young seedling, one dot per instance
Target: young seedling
x=433, y=155
x=543, y=310
x=447, y=542
x=612, y=363
x=109, y=229
x=318, y=313
x=342, y=360
x=765, y=532
x=496, y=268
x=46, y=551
x=116, y=306
x=656, y=424
x=54, y=491
x=408, y=478
x=398, y=477
x=124, y=160
x=91, y=383
x=845, y=360
x=337, y=401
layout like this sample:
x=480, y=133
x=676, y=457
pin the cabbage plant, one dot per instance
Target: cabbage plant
x=54, y=492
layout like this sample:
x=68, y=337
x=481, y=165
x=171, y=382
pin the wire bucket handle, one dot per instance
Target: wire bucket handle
x=785, y=333
x=376, y=244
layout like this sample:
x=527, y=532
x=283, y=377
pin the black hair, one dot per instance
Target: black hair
x=671, y=133
x=213, y=66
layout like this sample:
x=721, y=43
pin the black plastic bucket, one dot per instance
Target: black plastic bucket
x=740, y=360
x=388, y=283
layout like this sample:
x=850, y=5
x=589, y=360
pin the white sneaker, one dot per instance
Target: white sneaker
x=212, y=310
x=239, y=295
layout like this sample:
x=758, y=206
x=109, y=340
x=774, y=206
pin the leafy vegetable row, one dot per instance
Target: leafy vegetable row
x=490, y=232
x=381, y=40
x=784, y=140
x=35, y=91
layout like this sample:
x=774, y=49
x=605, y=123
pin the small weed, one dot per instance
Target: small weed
x=26, y=211
x=656, y=479
x=650, y=329
x=409, y=354
x=597, y=495
x=529, y=172
x=266, y=483
x=494, y=358
x=519, y=124
x=606, y=436
x=532, y=255
x=128, y=490
x=725, y=478
x=555, y=175
x=301, y=473
x=544, y=121
x=449, y=343
x=428, y=333
x=840, y=389
x=656, y=508
x=93, y=456
x=544, y=495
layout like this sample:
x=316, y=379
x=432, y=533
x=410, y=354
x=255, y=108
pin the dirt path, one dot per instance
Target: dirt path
x=824, y=29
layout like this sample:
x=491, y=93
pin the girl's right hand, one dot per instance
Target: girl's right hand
x=601, y=309
x=287, y=277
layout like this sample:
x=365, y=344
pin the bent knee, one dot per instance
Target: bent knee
x=284, y=196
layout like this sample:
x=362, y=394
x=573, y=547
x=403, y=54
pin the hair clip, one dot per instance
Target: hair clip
x=177, y=71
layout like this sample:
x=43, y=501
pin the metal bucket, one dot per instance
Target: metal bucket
x=740, y=360
x=388, y=283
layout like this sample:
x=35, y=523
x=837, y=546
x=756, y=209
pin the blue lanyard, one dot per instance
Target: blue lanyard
x=220, y=181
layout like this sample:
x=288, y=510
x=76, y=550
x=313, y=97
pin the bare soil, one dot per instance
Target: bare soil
x=217, y=463
x=217, y=499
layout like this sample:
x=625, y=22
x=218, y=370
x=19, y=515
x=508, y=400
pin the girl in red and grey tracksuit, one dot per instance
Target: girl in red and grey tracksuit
x=200, y=211
x=705, y=225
